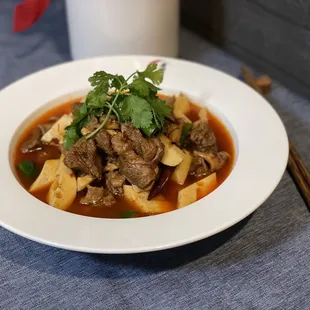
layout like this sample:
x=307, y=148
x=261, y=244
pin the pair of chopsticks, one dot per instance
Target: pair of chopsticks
x=296, y=167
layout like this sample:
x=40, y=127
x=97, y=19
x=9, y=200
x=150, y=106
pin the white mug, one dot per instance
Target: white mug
x=112, y=27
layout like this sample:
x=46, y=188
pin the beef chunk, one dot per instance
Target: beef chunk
x=219, y=160
x=203, y=137
x=215, y=160
x=119, y=144
x=33, y=143
x=76, y=106
x=115, y=182
x=97, y=196
x=111, y=164
x=199, y=167
x=107, y=200
x=83, y=156
x=137, y=171
x=93, y=196
x=156, y=142
x=92, y=123
x=103, y=140
x=207, y=163
x=174, y=131
x=150, y=149
x=112, y=122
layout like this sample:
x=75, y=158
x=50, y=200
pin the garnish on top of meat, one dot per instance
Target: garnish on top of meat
x=126, y=141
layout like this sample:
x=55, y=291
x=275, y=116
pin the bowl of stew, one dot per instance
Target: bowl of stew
x=127, y=154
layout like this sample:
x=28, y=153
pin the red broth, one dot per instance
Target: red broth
x=224, y=142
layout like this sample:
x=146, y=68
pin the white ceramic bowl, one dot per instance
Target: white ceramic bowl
x=261, y=156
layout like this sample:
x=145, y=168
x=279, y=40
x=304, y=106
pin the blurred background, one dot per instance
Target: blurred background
x=271, y=35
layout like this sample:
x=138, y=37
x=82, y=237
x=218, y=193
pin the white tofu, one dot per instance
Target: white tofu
x=138, y=201
x=181, y=104
x=180, y=173
x=203, y=114
x=57, y=131
x=83, y=182
x=187, y=195
x=63, y=190
x=172, y=154
x=46, y=177
x=206, y=185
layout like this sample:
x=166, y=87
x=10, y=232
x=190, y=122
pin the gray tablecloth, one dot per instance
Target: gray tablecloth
x=262, y=263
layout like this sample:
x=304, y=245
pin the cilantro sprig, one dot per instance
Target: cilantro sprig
x=133, y=99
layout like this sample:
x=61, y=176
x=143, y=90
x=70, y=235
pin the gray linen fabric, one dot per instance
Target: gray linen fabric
x=261, y=263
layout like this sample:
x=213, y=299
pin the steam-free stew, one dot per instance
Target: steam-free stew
x=125, y=151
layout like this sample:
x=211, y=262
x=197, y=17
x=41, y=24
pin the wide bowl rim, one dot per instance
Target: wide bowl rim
x=134, y=228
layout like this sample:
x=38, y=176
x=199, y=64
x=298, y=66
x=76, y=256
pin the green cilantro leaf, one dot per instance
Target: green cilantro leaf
x=152, y=88
x=160, y=107
x=118, y=81
x=138, y=111
x=101, y=81
x=151, y=72
x=71, y=137
x=79, y=114
x=95, y=101
x=140, y=87
x=160, y=111
x=139, y=104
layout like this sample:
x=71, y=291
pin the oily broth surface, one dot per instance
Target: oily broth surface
x=224, y=142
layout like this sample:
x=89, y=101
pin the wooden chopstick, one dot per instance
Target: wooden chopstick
x=301, y=184
x=296, y=167
x=300, y=164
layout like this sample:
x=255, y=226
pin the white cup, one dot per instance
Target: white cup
x=111, y=27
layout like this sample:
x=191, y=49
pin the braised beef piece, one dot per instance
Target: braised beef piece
x=83, y=156
x=199, y=167
x=115, y=182
x=136, y=170
x=107, y=200
x=219, y=160
x=150, y=149
x=75, y=106
x=103, y=140
x=215, y=160
x=174, y=131
x=98, y=196
x=203, y=137
x=112, y=122
x=204, y=164
x=120, y=146
x=160, y=148
x=33, y=143
x=111, y=164
x=93, y=196
x=92, y=123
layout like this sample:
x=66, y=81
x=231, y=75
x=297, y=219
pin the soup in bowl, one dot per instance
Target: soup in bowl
x=125, y=150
